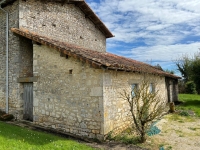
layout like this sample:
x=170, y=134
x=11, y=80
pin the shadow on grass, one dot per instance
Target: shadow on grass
x=17, y=134
x=193, y=103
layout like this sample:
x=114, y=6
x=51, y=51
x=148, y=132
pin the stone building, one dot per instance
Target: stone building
x=55, y=70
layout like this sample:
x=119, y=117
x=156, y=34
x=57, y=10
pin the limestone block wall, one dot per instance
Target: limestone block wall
x=65, y=23
x=13, y=54
x=117, y=115
x=20, y=61
x=2, y=60
x=68, y=94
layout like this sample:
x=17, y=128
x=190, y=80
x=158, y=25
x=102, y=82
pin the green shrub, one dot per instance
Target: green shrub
x=184, y=113
x=191, y=87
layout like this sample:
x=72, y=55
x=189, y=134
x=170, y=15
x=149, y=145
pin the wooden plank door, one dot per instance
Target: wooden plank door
x=28, y=101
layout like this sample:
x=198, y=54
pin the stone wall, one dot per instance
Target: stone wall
x=172, y=86
x=117, y=115
x=65, y=23
x=20, y=61
x=68, y=94
x=2, y=59
x=13, y=50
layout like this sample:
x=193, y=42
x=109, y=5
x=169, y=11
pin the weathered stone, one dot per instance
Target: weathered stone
x=96, y=91
x=69, y=95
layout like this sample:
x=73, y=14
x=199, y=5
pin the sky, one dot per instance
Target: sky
x=151, y=31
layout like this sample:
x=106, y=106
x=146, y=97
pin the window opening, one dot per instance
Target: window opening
x=152, y=88
x=133, y=88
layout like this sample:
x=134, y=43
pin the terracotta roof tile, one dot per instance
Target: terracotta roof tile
x=96, y=59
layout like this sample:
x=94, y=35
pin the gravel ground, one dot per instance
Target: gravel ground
x=181, y=133
x=115, y=146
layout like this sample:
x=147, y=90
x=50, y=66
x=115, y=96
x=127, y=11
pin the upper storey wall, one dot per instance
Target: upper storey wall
x=66, y=23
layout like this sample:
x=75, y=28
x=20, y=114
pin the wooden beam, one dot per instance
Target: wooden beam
x=27, y=79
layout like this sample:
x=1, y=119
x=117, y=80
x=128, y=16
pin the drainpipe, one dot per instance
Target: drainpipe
x=7, y=19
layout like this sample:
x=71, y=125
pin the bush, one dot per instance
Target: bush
x=191, y=87
x=184, y=113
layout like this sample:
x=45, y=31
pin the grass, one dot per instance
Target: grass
x=127, y=139
x=179, y=118
x=18, y=138
x=190, y=102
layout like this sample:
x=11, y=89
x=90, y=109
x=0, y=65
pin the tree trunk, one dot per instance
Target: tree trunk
x=143, y=138
x=143, y=134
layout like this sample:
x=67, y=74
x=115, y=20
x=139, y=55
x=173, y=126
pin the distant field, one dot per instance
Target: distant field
x=18, y=138
x=191, y=102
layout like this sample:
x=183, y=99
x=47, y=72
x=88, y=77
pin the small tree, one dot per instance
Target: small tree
x=145, y=107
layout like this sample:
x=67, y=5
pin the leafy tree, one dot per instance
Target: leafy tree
x=195, y=69
x=190, y=69
x=158, y=66
x=169, y=71
x=184, y=67
x=190, y=87
x=145, y=107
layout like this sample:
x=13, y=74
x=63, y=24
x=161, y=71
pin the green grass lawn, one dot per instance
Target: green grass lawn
x=191, y=102
x=18, y=138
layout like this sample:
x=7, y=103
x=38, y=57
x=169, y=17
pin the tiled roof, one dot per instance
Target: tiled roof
x=96, y=59
x=84, y=7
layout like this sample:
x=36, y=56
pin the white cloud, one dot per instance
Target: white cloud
x=162, y=52
x=161, y=30
x=149, y=19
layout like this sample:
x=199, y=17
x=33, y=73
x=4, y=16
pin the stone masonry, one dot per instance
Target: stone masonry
x=81, y=100
x=117, y=115
x=64, y=23
x=69, y=25
x=68, y=94
x=20, y=61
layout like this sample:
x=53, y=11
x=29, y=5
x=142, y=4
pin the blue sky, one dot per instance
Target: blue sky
x=152, y=31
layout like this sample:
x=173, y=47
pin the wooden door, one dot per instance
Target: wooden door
x=28, y=101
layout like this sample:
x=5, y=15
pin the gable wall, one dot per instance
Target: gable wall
x=68, y=102
x=117, y=115
x=20, y=61
x=66, y=23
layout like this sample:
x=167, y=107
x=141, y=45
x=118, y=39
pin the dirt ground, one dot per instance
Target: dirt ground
x=178, y=133
x=114, y=146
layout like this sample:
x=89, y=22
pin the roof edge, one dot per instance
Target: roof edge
x=89, y=13
x=80, y=54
